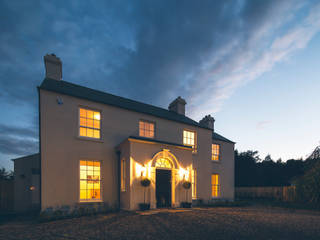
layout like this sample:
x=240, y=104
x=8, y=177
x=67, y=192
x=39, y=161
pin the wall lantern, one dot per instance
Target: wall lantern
x=183, y=174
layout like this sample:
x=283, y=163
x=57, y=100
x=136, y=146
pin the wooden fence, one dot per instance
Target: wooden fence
x=285, y=194
x=6, y=196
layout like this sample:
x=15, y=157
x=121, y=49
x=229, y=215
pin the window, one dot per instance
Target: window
x=89, y=123
x=194, y=183
x=215, y=184
x=146, y=129
x=189, y=139
x=90, y=181
x=215, y=152
x=123, y=175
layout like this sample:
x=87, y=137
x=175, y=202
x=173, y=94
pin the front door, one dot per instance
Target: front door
x=163, y=188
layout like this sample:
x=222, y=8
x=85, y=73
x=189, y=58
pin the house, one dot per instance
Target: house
x=97, y=147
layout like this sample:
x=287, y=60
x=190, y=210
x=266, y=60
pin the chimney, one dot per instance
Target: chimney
x=208, y=122
x=178, y=106
x=53, y=66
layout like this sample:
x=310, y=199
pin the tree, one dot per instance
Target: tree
x=308, y=185
x=4, y=175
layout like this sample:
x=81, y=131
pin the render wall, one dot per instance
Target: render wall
x=62, y=148
x=26, y=175
x=225, y=168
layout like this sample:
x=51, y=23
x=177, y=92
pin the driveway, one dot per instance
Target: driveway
x=199, y=223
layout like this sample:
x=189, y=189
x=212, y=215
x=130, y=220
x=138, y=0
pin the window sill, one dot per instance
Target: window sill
x=90, y=139
x=90, y=201
x=215, y=161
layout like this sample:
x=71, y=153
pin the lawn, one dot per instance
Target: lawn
x=253, y=222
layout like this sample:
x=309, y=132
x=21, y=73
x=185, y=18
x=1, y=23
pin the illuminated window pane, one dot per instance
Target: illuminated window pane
x=189, y=139
x=163, y=163
x=146, y=129
x=123, y=175
x=83, y=131
x=194, y=184
x=215, y=152
x=89, y=123
x=215, y=185
x=83, y=113
x=90, y=181
x=97, y=116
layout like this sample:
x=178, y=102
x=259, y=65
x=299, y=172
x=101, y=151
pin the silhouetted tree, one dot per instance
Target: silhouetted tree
x=5, y=175
x=250, y=170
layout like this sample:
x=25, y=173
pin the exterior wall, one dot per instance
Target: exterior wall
x=62, y=149
x=225, y=168
x=27, y=174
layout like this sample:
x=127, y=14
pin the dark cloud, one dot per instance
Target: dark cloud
x=151, y=51
x=18, y=140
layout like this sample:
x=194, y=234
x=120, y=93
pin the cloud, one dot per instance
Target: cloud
x=262, y=124
x=152, y=51
x=18, y=140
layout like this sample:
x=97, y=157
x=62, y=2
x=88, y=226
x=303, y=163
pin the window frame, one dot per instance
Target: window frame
x=219, y=153
x=150, y=122
x=219, y=186
x=195, y=147
x=79, y=180
x=78, y=129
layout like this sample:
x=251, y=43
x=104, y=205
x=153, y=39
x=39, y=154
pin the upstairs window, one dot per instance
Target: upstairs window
x=215, y=152
x=146, y=129
x=89, y=123
x=90, y=181
x=215, y=185
x=189, y=139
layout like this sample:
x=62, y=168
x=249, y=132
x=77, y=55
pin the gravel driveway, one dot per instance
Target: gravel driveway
x=199, y=223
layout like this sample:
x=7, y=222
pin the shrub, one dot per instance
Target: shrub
x=308, y=186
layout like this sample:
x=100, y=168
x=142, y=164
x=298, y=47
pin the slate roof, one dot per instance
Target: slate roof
x=78, y=91
x=216, y=136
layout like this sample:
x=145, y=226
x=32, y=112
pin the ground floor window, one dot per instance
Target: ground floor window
x=90, y=180
x=215, y=185
x=194, y=183
x=123, y=175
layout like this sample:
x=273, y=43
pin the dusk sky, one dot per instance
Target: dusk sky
x=253, y=65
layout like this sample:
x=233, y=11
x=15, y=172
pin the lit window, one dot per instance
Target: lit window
x=163, y=163
x=89, y=123
x=194, y=183
x=146, y=129
x=90, y=181
x=123, y=175
x=215, y=152
x=215, y=184
x=189, y=139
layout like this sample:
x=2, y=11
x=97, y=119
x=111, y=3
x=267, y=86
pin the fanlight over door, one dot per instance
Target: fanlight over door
x=163, y=163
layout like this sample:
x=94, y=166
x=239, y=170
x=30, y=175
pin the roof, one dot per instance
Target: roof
x=78, y=91
x=36, y=155
x=216, y=136
x=158, y=141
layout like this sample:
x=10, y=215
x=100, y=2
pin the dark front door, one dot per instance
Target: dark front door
x=163, y=188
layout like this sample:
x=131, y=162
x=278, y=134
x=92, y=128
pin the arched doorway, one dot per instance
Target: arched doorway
x=165, y=164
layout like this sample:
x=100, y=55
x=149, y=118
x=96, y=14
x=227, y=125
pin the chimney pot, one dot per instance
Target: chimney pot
x=178, y=106
x=53, y=66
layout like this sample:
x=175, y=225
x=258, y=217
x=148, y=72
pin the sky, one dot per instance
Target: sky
x=253, y=65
